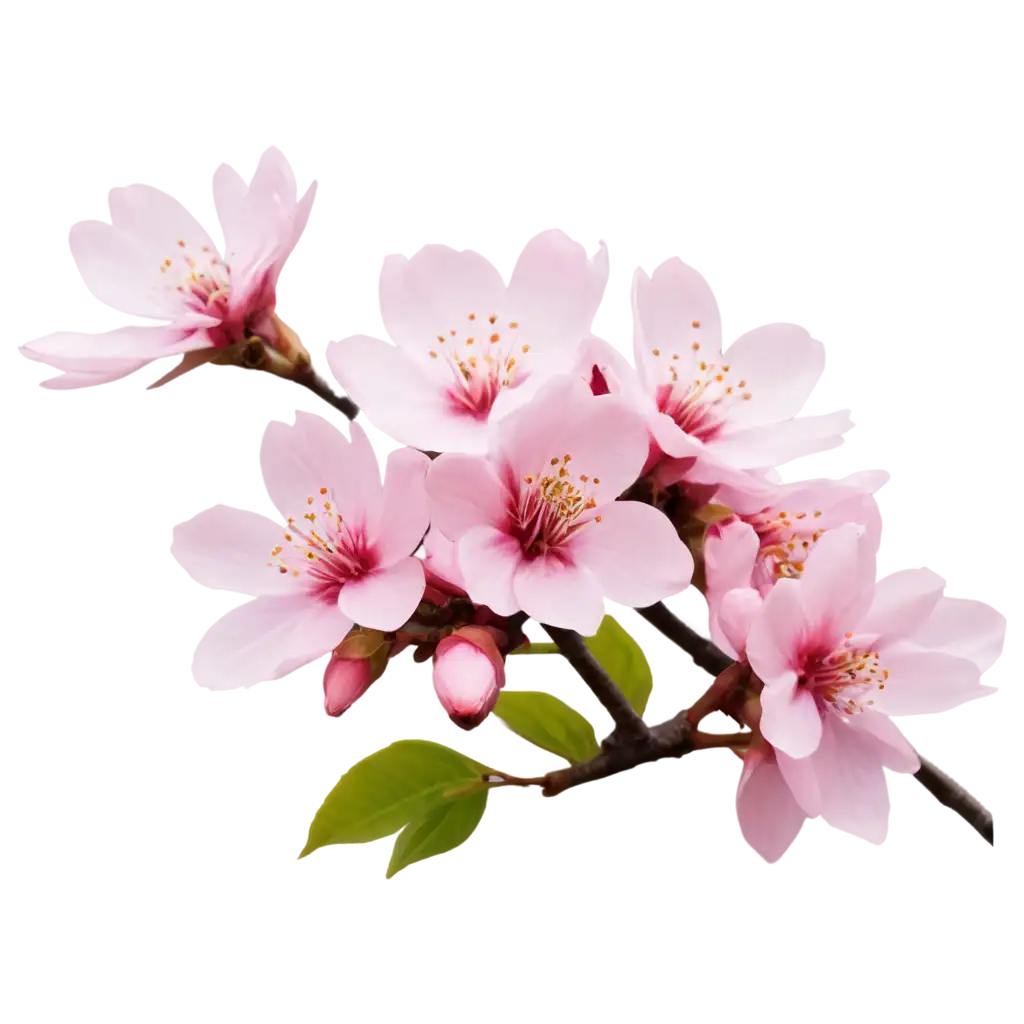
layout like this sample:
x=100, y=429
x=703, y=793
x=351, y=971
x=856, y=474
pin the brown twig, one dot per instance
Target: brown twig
x=254, y=353
x=628, y=724
x=670, y=739
x=704, y=653
x=951, y=794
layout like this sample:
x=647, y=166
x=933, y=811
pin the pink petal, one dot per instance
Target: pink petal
x=892, y=748
x=404, y=517
x=902, y=603
x=635, y=554
x=559, y=593
x=489, y=559
x=229, y=549
x=121, y=272
x=605, y=438
x=297, y=460
x=400, y=398
x=676, y=444
x=555, y=289
x=464, y=492
x=666, y=306
x=435, y=291
x=802, y=779
x=265, y=639
x=731, y=621
x=775, y=638
x=95, y=353
x=157, y=221
x=769, y=817
x=968, y=629
x=730, y=552
x=854, y=796
x=76, y=379
x=922, y=682
x=838, y=580
x=385, y=598
x=262, y=221
x=441, y=562
x=774, y=444
x=790, y=720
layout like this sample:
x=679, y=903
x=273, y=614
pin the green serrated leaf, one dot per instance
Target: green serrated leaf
x=438, y=831
x=386, y=790
x=548, y=723
x=621, y=657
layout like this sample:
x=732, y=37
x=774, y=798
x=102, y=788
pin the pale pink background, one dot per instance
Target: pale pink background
x=146, y=836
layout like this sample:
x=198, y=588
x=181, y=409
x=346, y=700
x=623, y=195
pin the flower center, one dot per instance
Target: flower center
x=553, y=505
x=483, y=357
x=200, y=278
x=846, y=678
x=786, y=539
x=699, y=404
x=322, y=549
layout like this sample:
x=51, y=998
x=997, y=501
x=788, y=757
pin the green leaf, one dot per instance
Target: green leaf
x=548, y=723
x=386, y=790
x=438, y=831
x=621, y=657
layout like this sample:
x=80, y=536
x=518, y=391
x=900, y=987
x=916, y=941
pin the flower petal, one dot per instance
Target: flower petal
x=968, y=629
x=385, y=598
x=262, y=222
x=802, y=779
x=790, y=720
x=854, y=795
x=464, y=492
x=902, y=603
x=157, y=221
x=773, y=644
x=774, y=444
x=400, y=398
x=923, y=682
x=265, y=639
x=635, y=553
x=605, y=438
x=559, y=592
x=489, y=559
x=404, y=515
x=297, y=460
x=95, y=353
x=555, y=289
x=838, y=580
x=230, y=549
x=730, y=552
x=891, y=746
x=730, y=624
x=769, y=817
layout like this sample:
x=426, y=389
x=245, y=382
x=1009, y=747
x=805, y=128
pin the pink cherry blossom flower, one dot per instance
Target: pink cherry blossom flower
x=155, y=260
x=838, y=655
x=342, y=553
x=537, y=523
x=469, y=673
x=345, y=681
x=768, y=540
x=464, y=340
x=719, y=404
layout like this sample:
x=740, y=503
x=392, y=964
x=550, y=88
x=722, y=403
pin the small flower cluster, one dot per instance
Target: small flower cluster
x=542, y=474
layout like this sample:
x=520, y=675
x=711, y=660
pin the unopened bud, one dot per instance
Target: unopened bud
x=345, y=681
x=468, y=675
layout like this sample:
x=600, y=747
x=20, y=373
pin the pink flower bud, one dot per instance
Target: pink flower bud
x=342, y=680
x=468, y=674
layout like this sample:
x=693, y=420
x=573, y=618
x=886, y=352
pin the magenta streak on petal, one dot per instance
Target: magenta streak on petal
x=691, y=413
x=484, y=357
x=548, y=507
x=330, y=553
x=598, y=381
x=842, y=679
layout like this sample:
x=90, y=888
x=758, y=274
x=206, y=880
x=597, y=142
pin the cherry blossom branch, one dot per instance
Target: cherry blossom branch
x=713, y=659
x=673, y=738
x=315, y=383
x=628, y=724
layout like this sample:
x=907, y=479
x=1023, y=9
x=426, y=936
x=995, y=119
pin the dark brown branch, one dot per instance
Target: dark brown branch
x=628, y=724
x=315, y=383
x=714, y=660
x=670, y=739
